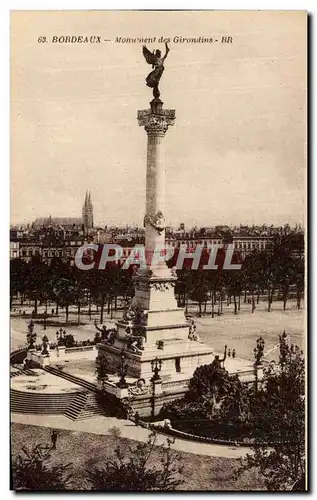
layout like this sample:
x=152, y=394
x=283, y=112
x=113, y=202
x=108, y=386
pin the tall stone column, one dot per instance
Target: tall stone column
x=154, y=287
x=156, y=122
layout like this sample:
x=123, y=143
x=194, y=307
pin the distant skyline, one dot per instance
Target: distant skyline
x=236, y=154
x=175, y=226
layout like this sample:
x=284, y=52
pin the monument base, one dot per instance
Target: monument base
x=175, y=359
x=147, y=397
x=154, y=334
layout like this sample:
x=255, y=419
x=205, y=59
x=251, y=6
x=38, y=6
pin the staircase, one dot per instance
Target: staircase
x=72, y=378
x=77, y=406
x=17, y=370
x=40, y=404
x=15, y=373
x=84, y=405
x=81, y=405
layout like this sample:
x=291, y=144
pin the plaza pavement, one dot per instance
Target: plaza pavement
x=239, y=332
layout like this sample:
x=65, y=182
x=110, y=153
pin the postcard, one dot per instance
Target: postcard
x=157, y=250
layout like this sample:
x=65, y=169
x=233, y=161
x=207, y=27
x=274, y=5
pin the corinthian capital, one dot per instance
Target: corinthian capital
x=156, y=123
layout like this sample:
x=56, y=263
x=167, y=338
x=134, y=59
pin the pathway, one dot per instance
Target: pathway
x=104, y=425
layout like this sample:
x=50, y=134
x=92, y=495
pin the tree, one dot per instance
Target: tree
x=35, y=277
x=100, y=288
x=285, y=290
x=209, y=379
x=133, y=471
x=183, y=285
x=216, y=404
x=79, y=295
x=17, y=273
x=33, y=471
x=299, y=272
x=69, y=340
x=278, y=421
x=65, y=290
x=258, y=356
x=254, y=267
x=199, y=292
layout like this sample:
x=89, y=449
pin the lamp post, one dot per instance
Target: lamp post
x=60, y=336
x=123, y=371
x=101, y=368
x=31, y=335
x=45, y=318
x=31, y=339
x=44, y=346
x=156, y=365
x=258, y=355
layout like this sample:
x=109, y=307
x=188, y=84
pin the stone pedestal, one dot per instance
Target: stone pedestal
x=37, y=359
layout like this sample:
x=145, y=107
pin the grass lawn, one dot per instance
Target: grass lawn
x=86, y=450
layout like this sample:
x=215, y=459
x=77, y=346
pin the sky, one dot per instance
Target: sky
x=237, y=151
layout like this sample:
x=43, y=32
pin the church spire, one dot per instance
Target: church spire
x=87, y=213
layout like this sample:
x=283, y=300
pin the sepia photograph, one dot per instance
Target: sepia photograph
x=158, y=242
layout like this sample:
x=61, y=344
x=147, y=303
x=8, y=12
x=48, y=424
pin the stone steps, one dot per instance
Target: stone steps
x=18, y=370
x=76, y=406
x=84, y=406
x=72, y=378
x=39, y=403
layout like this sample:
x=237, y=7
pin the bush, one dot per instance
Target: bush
x=33, y=471
x=134, y=471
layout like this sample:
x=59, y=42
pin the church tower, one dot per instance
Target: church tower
x=87, y=214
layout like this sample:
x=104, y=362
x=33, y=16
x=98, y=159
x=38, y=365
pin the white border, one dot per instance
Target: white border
x=5, y=7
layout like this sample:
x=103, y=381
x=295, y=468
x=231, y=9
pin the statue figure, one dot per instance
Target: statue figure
x=157, y=61
x=107, y=336
x=157, y=221
x=132, y=346
x=135, y=343
x=103, y=331
x=193, y=335
x=216, y=364
x=129, y=315
x=140, y=383
x=101, y=366
x=111, y=335
x=141, y=317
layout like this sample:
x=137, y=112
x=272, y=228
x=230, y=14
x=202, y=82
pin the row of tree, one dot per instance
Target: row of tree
x=277, y=269
x=66, y=286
